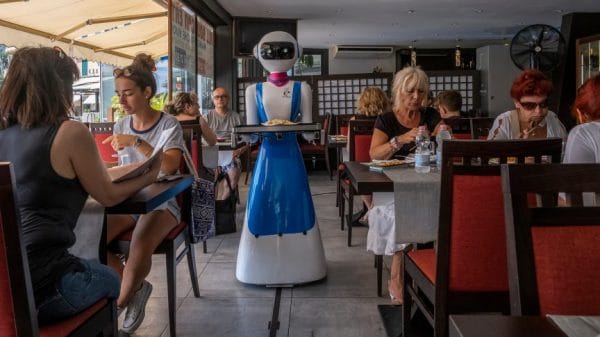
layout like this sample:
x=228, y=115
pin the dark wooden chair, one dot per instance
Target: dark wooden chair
x=461, y=128
x=341, y=124
x=360, y=132
x=251, y=155
x=319, y=150
x=468, y=272
x=18, y=316
x=480, y=127
x=328, y=130
x=553, y=251
x=179, y=236
x=101, y=131
x=192, y=136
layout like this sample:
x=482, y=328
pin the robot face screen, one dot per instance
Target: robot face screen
x=282, y=50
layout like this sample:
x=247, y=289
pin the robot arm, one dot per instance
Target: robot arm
x=251, y=113
x=306, y=109
x=251, y=110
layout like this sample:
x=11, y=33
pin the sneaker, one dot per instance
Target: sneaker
x=136, y=308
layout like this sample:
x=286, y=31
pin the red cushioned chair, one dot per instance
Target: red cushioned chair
x=178, y=236
x=101, y=131
x=469, y=271
x=360, y=132
x=553, y=252
x=18, y=317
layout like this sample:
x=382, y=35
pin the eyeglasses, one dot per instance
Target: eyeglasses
x=220, y=97
x=533, y=105
x=118, y=72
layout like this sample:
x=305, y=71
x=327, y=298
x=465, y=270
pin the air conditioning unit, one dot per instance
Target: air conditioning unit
x=345, y=51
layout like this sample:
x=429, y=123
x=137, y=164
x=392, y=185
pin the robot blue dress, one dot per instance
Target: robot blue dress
x=279, y=200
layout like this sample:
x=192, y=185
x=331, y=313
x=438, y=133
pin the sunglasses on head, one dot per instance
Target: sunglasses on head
x=533, y=105
x=61, y=53
x=122, y=72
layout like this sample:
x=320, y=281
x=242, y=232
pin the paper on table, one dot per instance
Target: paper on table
x=130, y=171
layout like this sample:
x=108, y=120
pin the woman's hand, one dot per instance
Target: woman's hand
x=238, y=152
x=120, y=141
x=407, y=137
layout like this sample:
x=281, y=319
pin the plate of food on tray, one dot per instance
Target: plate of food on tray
x=274, y=122
x=386, y=163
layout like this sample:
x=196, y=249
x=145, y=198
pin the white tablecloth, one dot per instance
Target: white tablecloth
x=213, y=157
x=88, y=231
x=410, y=217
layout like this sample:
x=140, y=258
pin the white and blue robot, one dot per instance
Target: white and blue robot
x=280, y=242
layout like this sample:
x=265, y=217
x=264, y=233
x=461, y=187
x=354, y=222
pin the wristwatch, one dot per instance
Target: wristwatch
x=138, y=141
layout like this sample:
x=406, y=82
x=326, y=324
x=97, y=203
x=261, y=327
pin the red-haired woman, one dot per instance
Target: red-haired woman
x=531, y=117
x=583, y=145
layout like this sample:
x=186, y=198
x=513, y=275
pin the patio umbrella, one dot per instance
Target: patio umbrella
x=107, y=31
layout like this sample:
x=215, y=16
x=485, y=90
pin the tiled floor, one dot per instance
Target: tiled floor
x=344, y=304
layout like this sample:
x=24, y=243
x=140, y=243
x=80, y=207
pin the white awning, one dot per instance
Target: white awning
x=107, y=31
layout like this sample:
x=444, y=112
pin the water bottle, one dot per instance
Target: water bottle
x=443, y=134
x=423, y=150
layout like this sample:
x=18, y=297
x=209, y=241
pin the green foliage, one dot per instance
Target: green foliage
x=307, y=60
x=159, y=101
x=118, y=112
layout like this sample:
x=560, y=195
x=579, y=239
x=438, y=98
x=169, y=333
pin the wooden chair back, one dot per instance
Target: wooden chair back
x=461, y=128
x=18, y=315
x=470, y=263
x=17, y=305
x=480, y=127
x=471, y=253
x=192, y=137
x=360, y=132
x=101, y=131
x=553, y=251
x=341, y=124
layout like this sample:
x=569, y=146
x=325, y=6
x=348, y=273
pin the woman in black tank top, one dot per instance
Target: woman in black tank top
x=56, y=165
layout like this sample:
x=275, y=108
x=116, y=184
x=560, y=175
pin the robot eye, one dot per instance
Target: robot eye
x=278, y=50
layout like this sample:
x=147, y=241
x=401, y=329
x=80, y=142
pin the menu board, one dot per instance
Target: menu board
x=183, y=41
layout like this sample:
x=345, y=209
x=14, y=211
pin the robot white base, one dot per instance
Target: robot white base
x=273, y=260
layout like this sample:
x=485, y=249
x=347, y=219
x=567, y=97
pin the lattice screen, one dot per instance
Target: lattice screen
x=466, y=83
x=338, y=93
x=339, y=96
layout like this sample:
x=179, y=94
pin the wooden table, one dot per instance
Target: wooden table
x=151, y=196
x=364, y=182
x=338, y=145
x=142, y=202
x=502, y=326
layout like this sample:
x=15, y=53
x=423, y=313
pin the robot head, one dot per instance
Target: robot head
x=277, y=51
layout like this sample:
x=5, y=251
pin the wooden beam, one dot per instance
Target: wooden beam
x=141, y=43
x=65, y=40
x=96, y=21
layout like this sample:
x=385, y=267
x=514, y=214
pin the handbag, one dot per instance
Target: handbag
x=225, y=208
x=202, y=223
